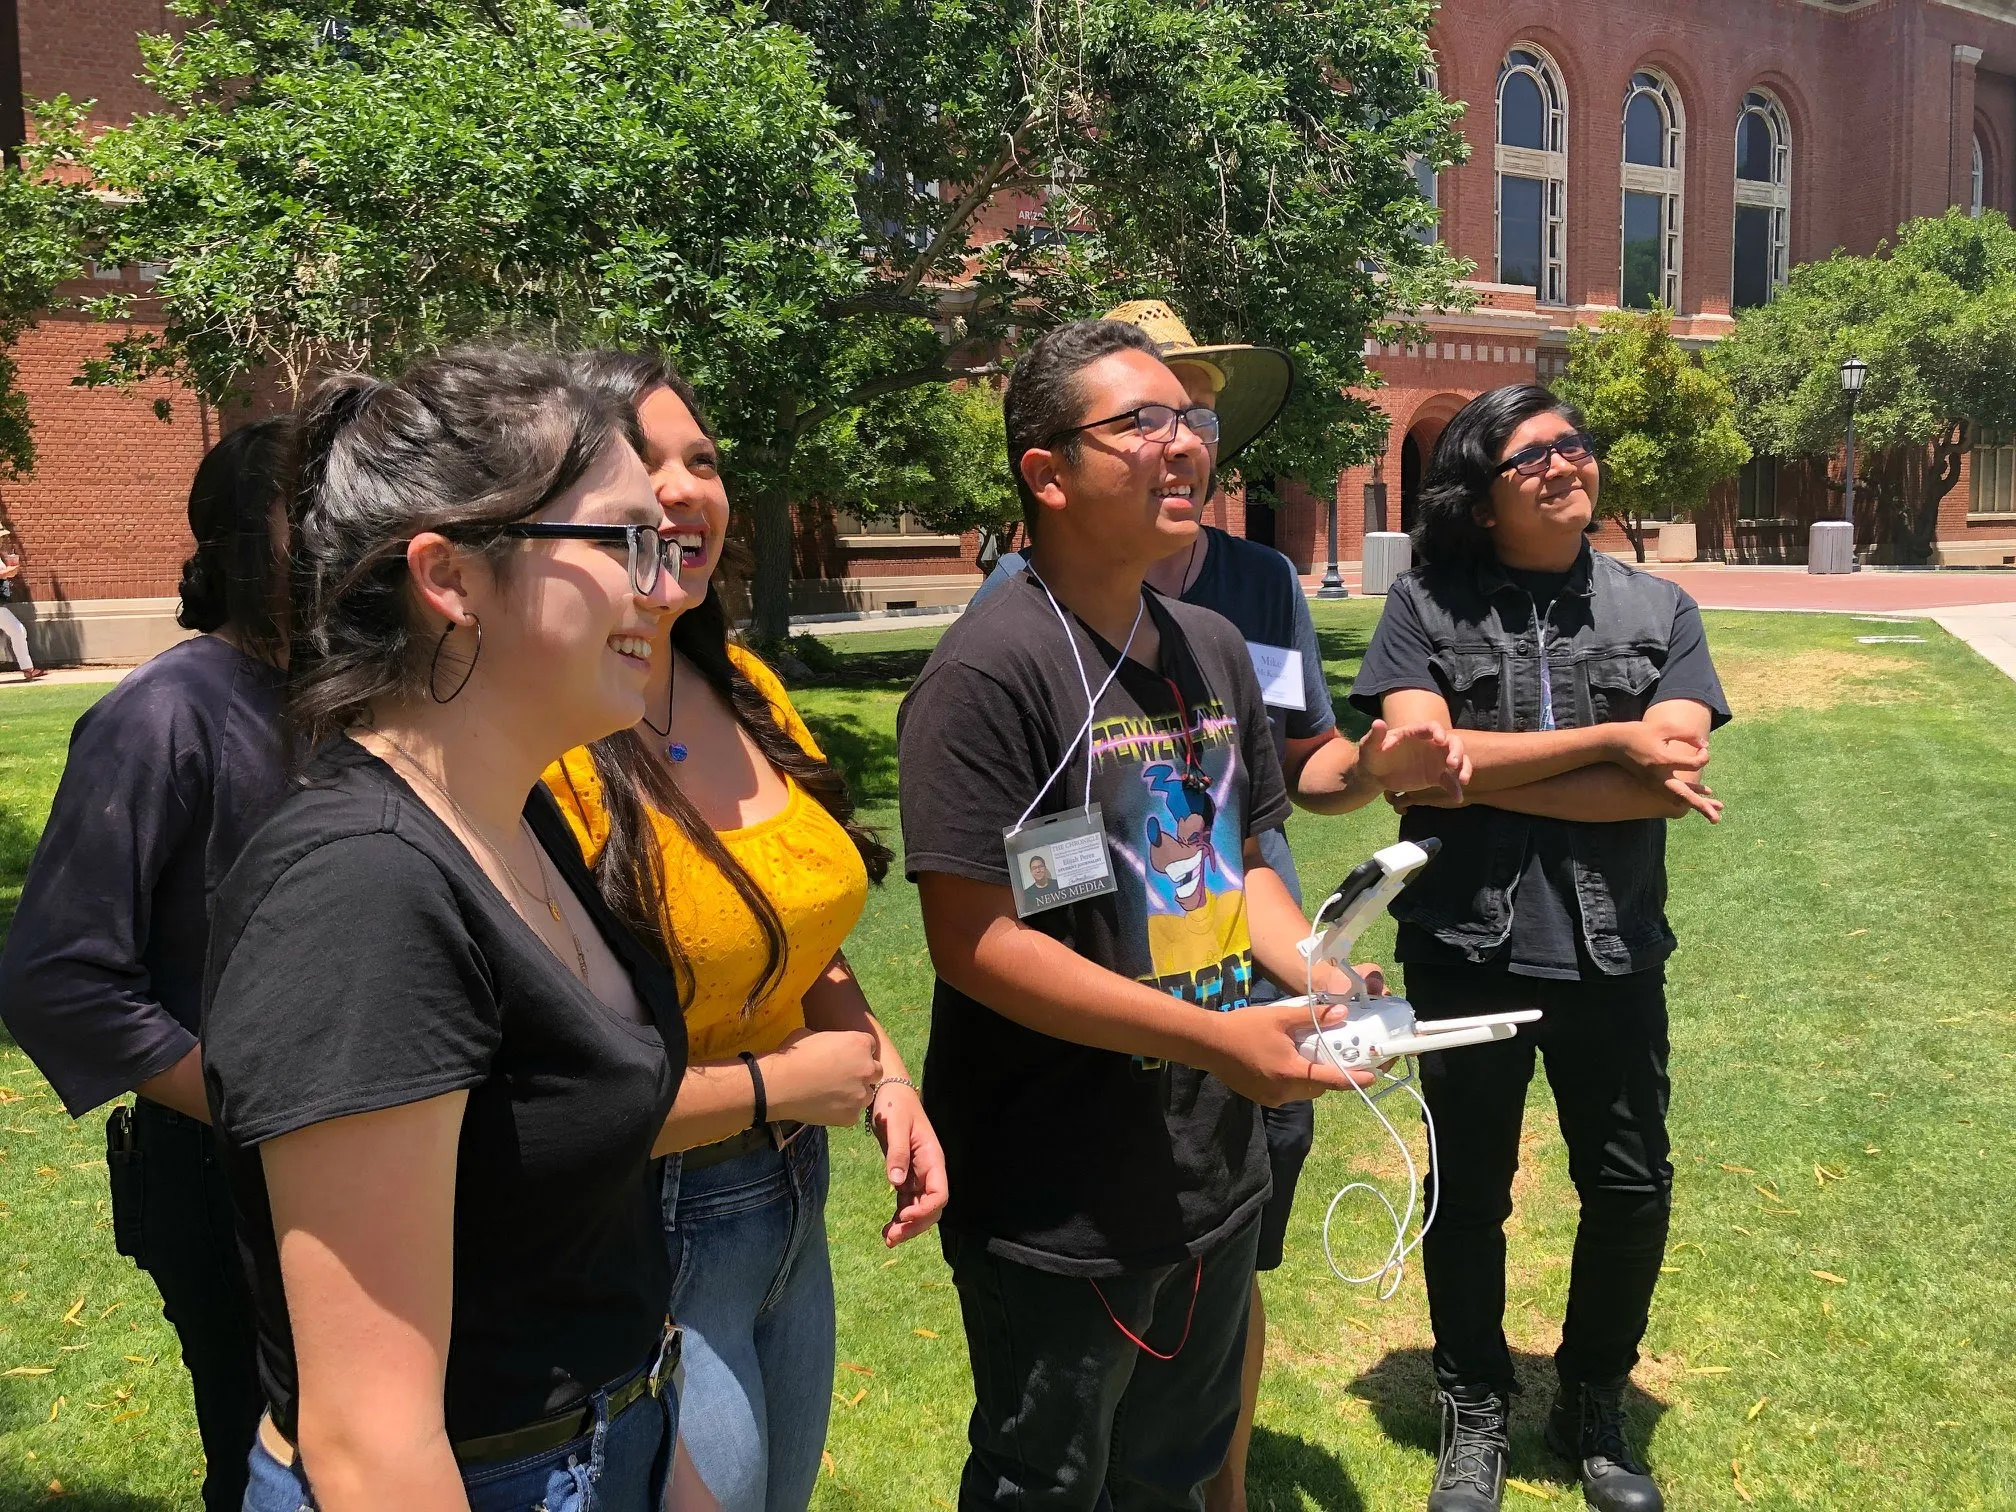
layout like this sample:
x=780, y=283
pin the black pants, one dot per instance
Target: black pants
x=173, y=1215
x=1604, y=1042
x=1069, y=1415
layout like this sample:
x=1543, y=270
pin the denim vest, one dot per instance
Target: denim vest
x=1605, y=644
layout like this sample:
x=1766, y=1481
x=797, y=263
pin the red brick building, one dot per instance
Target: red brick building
x=1688, y=150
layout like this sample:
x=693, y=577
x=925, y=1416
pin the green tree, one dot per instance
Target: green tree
x=39, y=249
x=1664, y=423
x=1935, y=319
x=932, y=451
x=817, y=207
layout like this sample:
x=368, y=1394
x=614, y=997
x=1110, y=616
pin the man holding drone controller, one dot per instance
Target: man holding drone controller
x=1093, y=1090
x=1585, y=695
x=1255, y=587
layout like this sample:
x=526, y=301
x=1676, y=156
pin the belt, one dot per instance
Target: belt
x=563, y=1428
x=770, y=1136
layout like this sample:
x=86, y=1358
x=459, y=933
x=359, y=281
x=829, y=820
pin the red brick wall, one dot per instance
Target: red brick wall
x=105, y=514
x=90, y=52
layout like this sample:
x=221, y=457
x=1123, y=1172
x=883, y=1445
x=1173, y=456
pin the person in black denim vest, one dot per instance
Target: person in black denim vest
x=1585, y=696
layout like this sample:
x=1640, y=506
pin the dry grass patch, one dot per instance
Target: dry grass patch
x=1815, y=680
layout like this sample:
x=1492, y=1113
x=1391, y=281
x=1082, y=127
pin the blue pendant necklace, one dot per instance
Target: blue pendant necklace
x=674, y=749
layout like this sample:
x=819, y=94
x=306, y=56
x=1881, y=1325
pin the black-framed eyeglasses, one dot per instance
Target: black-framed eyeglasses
x=650, y=553
x=1531, y=461
x=1157, y=422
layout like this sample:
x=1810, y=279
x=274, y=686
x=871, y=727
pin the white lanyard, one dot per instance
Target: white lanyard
x=1091, y=698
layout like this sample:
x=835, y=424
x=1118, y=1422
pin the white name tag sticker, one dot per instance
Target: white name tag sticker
x=1280, y=672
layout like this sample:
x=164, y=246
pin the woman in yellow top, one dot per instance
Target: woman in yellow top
x=723, y=794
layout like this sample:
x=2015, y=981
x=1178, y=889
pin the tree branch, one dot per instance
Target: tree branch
x=892, y=383
x=1004, y=168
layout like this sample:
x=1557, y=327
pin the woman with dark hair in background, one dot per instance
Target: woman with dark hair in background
x=1585, y=696
x=440, y=1068
x=168, y=776
x=10, y=624
x=721, y=786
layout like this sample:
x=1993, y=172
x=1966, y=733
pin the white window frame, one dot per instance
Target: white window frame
x=1991, y=476
x=1775, y=196
x=1977, y=198
x=1666, y=181
x=1548, y=164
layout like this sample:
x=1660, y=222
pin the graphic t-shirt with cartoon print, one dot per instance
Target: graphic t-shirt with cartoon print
x=1063, y=1157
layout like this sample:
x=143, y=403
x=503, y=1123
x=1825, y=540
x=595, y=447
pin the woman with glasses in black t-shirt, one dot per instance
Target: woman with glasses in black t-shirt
x=440, y=1069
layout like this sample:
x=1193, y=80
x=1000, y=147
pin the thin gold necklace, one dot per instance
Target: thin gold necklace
x=544, y=895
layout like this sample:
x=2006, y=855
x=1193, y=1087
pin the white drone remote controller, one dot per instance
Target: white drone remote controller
x=1377, y=1030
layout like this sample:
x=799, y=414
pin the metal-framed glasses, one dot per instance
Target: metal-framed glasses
x=1532, y=461
x=1157, y=422
x=651, y=554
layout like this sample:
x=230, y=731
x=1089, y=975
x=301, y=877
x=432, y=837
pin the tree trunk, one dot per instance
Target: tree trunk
x=1634, y=529
x=770, y=588
x=773, y=539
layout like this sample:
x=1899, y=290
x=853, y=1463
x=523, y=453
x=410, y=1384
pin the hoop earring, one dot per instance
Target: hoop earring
x=435, y=665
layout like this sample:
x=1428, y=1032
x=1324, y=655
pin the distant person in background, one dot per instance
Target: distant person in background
x=1256, y=588
x=10, y=623
x=168, y=776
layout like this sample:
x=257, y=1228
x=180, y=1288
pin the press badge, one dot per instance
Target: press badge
x=1059, y=860
x=1280, y=672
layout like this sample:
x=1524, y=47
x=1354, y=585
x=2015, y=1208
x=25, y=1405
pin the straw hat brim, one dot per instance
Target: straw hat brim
x=1257, y=381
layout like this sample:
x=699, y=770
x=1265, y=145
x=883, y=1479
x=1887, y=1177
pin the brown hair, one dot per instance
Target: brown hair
x=630, y=869
x=464, y=444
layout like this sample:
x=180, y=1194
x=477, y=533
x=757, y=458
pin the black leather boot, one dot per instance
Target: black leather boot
x=1587, y=1426
x=1470, y=1471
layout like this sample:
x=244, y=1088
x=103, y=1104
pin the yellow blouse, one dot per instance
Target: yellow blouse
x=799, y=856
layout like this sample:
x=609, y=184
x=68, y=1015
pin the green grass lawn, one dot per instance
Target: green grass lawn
x=1844, y=1028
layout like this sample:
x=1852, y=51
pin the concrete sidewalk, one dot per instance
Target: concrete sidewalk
x=1988, y=628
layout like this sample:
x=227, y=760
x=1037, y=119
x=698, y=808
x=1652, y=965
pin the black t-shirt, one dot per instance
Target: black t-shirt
x=1546, y=938
x=1063, y=1157
x=362, y=960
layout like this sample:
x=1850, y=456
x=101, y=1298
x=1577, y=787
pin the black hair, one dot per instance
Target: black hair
x=236, y=578
x=1466, y=464
x=1045, y=396
x=463, y=444
x=629, y=869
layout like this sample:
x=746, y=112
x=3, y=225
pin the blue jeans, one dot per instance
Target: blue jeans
x=618, y=1466
x=753, y=1290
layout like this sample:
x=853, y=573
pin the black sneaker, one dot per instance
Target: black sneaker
x=1470, y=1471
x=1587, y=1426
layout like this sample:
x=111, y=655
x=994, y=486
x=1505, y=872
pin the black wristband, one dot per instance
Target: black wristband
x=756, y=1081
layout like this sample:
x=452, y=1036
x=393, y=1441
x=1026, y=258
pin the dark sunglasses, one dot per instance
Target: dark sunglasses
x=650, y=552
x=1157, y=422
x=1532, y=461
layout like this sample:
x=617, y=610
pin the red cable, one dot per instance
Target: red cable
x=1196, y=1285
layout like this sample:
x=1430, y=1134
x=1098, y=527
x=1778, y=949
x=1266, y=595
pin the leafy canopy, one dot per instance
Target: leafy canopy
x=38, y=251
x=814, y=206
x=1664, y=423
x=1934, y=317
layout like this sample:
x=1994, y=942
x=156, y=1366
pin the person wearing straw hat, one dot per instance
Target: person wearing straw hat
x=1258, y=590
x=10, y=624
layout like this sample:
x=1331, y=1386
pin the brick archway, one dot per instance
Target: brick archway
x=1417, y=445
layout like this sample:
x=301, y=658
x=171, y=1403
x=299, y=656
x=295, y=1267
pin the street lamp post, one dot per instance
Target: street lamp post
x=1831, y=547
x=1333, y=580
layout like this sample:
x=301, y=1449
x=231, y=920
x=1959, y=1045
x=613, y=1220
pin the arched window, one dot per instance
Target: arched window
x=1978, y=196
x=1532, y=164
x=1763, y=199
x=1654, y=140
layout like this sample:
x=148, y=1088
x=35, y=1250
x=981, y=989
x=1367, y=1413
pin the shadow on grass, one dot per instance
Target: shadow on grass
x=865, y=755
x=1400, y=1390
x=1289, y=1472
